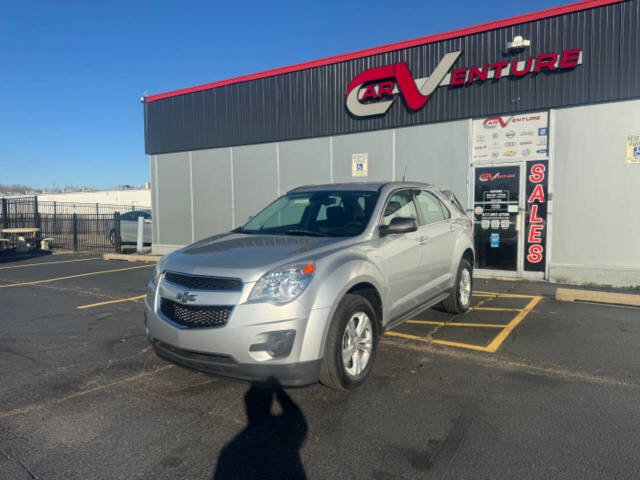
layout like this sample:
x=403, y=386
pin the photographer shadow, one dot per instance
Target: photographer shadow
x=269, y=446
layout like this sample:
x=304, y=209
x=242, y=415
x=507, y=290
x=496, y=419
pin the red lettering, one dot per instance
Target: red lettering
x=570, y=58
x=537, y=173
x=537, y=194
x=535, y=253
x=534, y=218
x=370, y=92
x=535, y=233
x=498, y=66
x=481, y=74
x=458, y=76
x=385, y=88
x=527, y=68
x=546, y=60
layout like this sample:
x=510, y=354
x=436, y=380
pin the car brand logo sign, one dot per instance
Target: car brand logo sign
x=185, y=297
x=373, y=91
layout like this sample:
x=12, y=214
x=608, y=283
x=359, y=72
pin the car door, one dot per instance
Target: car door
x=125, y=226
x=147, y=227
x=437, y=242
x=401, y=254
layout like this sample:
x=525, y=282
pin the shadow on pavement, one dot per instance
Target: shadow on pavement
x=269, y=446
x=9, y=256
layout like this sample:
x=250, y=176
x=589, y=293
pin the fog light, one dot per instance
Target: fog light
x=277, y=344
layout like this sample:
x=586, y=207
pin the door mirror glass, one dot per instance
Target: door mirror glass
x=399, y=225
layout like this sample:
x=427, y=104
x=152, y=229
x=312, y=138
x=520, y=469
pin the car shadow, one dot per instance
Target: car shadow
x=269, y=446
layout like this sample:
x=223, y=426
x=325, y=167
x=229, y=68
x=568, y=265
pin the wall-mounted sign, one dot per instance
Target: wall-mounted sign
x=510, y=138
x=536, y=220
x=359, y=164
x=372, y=92
x=633, y=149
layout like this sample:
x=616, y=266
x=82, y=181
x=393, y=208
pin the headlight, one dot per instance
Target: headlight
x=284, y=284
x=157, y=272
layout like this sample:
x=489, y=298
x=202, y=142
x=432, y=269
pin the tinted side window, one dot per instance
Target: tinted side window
x=432, y=209
x=399, y=205
x=127, y=216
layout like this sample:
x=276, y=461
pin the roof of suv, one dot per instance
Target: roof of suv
x=356, y=186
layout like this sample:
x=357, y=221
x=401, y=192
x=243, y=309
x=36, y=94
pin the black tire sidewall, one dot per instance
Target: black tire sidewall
x=343, y=315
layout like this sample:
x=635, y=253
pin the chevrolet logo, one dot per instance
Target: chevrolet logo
x=185, y=297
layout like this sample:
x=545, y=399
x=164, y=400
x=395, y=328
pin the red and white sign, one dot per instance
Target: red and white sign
x=536, y=219
x=511, y=138
x=372, y=92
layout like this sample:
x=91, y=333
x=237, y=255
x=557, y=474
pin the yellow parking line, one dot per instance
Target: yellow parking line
x=496, y=309
x=51, y=263
x=441, y=342
x=109, y=302
x=493, y=346
x=48, y=280
x=456, y=324
x=470, y=346
x=500, y=294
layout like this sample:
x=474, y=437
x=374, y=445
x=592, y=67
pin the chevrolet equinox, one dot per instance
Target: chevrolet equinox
x=303, y=291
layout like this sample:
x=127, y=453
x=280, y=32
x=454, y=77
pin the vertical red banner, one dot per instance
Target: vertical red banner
x=535, y=244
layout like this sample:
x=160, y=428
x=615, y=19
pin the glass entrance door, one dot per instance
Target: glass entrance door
x=496, y=201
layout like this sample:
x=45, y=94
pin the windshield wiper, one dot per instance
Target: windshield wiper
x=310, y=233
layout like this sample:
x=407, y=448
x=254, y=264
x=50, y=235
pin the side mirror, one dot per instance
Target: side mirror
x=399, y=225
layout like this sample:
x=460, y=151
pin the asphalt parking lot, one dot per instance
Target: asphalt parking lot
x=520, y=387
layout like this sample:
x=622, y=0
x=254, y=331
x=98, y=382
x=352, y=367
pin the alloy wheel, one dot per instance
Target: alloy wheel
x=357, y=343
x=465, y=287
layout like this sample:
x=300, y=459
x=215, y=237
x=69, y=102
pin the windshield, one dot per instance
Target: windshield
x=325, y=214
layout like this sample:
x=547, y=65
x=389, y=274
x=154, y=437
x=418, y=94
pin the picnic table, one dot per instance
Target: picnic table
x=22, y=234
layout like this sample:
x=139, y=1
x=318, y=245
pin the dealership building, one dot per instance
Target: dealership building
x=533, y=121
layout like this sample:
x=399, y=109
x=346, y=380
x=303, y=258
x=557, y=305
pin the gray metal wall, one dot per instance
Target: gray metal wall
x=311, y=103
x=596, y=196
x=204, y=192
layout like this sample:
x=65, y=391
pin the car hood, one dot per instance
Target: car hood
x=245, y=256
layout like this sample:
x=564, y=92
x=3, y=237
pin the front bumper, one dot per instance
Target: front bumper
x=288, y=375
x=230, y=350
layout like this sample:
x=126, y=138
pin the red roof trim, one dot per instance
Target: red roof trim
x=507, y=22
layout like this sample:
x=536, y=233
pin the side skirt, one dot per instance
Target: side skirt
x=404, y=317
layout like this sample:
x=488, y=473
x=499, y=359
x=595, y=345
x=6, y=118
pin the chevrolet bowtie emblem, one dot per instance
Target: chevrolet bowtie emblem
x=185, y=297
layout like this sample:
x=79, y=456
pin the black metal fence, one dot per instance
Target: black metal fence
x=78, y=226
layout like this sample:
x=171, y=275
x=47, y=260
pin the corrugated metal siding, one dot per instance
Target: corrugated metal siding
x=311, y=103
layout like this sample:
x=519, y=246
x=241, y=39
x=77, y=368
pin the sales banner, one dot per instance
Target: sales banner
x=537, y=181
x=511, y=138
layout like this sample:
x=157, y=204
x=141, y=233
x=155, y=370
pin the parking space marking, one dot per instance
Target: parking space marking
x=440, y=342
x=493, y=346
x=500, y=294
x=50, y=263
x=456, y=324
x=495, y=309
x=56, y=279
x=109, y=302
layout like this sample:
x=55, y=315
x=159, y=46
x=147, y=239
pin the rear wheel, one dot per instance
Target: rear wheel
x=460, y=298
x=351, y=344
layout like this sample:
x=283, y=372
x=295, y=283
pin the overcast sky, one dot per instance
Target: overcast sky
x=73, y=72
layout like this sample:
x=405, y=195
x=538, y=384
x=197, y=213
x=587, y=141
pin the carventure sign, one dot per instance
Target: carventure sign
x=372, y=91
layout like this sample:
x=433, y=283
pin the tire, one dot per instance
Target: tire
x=460, y=298
x=345, y=373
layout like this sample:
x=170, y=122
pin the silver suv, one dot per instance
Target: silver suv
x=304, y=290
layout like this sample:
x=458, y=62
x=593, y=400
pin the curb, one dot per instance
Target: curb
x=132, y=257
x=571, y=295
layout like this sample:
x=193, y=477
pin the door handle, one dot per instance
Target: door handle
x=453, y=227
x=423, y=239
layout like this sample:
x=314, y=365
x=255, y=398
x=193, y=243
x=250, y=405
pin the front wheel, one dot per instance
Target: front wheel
x=460, y=298
x=351, y=344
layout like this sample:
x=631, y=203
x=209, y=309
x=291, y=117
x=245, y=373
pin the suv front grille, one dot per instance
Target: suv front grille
x=196, y=282
x=192, y=316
